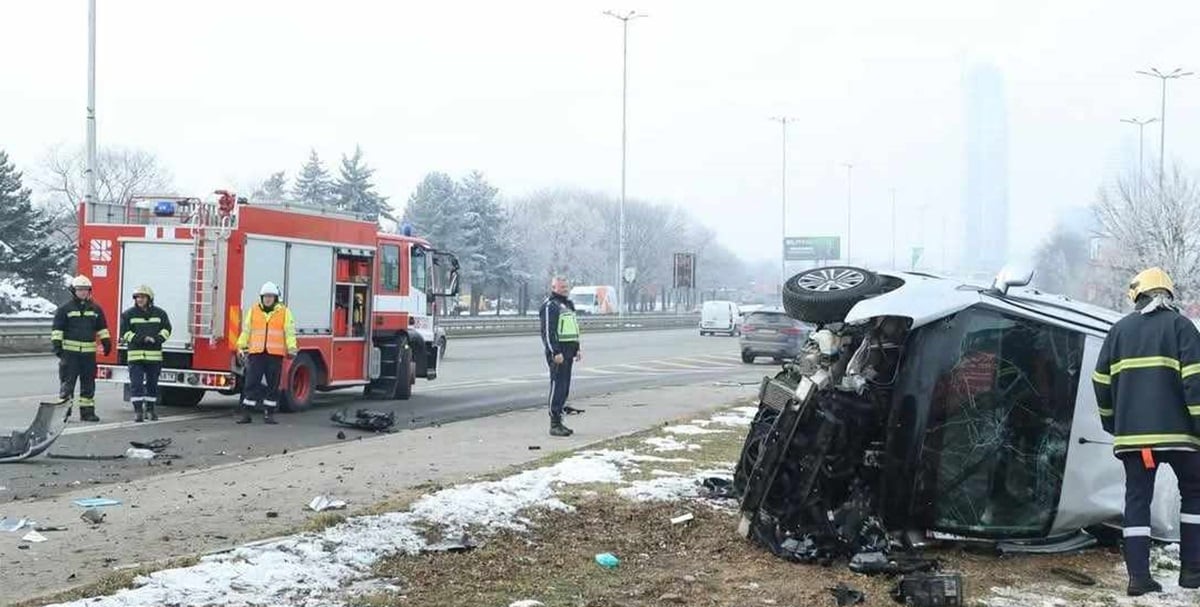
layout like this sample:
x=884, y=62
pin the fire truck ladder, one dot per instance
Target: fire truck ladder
x=209, y=229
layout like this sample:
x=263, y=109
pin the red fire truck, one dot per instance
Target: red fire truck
x=364, y=301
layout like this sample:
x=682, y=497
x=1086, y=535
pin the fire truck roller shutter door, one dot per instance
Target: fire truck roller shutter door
x=265, y=262
x=309, y=290
x=166, y=266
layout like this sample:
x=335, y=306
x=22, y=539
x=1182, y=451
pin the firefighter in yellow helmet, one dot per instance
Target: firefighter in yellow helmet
x=78, y=325
x=145, y=327
x=1147, y=383
x=268, y=336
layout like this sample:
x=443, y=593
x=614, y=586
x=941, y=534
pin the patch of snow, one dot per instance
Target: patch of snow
x=667, y=443
x=315, y=569
x=664, y=489
x=27, y=306
x=1164, y=562
x=663, y=473
x=732, y=420
x=527, y=603
x=687, y=429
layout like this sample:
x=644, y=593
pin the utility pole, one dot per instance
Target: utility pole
x=893, y=190
x=1141, y=125
x=783, y=121
x=1162, y=117
x=849, y=180
x=90, y=196
x=625, y=19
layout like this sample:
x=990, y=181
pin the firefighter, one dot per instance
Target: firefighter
x=268, y=336
x=560, y=340
x=144, y=328
x=78, y=324
x=1147, y=383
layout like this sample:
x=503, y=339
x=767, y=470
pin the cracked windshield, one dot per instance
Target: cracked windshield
x=591, y=304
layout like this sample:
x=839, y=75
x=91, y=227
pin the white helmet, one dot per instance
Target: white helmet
x=81, y=282
x=269, y=288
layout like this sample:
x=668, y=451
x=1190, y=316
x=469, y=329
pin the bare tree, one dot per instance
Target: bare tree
x=120, y=173
x=1062, y=264
x=1146, y=225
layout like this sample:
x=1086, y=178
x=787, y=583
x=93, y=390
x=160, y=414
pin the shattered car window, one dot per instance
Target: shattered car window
x=1000, y=392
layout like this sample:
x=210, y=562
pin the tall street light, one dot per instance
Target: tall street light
x=893, y=190
x=625, y=19
x=783, y=122
x=849, y=180
x=1141, y=125
x=90, y=196
x=1162, y=116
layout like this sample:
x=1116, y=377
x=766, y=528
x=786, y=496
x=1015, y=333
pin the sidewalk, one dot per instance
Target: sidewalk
x=207, y=510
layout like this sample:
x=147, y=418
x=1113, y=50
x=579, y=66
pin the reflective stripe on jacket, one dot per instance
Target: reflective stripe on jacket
x=272, y=332
x=1147, y=382
x=138, y=324
x=78, y=325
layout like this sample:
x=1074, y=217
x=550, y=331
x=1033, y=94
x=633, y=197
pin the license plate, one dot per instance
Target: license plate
x=167, y=376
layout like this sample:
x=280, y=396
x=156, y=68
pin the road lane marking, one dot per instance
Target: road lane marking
x=73, y=429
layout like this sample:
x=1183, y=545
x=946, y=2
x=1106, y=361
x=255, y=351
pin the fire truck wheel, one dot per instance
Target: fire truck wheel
x=179, y=397
x=406, y=373
x=301, y=383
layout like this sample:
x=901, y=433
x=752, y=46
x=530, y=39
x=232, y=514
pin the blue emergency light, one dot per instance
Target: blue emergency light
x=164, y=208
x=406, y=229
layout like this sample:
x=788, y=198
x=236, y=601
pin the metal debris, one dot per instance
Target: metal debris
x=930, y=590
x=365, y=419
x=845, y=595
x=93, y=516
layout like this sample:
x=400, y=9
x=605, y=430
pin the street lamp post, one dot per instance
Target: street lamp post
x=1162, y=131
x=849, y=172
x=90, y=195
x=625, y=19
x=1141, y=125
x=783, y=121
x=893, y=190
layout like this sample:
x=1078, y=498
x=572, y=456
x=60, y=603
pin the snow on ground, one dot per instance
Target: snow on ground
x=689, y=429
x=668, y=443
x=330, y=567
x=27, y=306
x=1164, y=565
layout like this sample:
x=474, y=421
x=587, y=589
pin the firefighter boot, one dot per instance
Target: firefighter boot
x=269, y=416
x=1142, y=585
x=1189, y=578
x=558, y=429
x=88, y=414
x=245, y=417
x=138, y=414
x=151, y=414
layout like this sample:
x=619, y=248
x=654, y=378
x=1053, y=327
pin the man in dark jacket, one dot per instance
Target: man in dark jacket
x=560, y=340
x=145, y=327
x=78, y=324
x=1147, y=383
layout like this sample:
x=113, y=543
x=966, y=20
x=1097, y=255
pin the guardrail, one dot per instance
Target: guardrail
x=30, y=335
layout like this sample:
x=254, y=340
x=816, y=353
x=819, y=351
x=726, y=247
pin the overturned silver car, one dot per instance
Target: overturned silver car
x=925, y=408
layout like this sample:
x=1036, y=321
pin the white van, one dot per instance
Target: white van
x=720, y=317
x=594, y=299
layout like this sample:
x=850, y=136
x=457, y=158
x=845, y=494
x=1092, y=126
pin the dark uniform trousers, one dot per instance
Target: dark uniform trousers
x=1139, y=489
x=81, y=367
x=258, y=367
x=560, y=379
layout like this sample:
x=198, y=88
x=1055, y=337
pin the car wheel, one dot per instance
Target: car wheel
x=299, y=385
x=441, y=348
x=748, y=357
x=824, y=295
x=169, y=396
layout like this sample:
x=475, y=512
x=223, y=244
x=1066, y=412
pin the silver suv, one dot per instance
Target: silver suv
x=771, y=332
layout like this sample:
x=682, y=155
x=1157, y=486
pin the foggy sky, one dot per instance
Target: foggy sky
x=226, y=92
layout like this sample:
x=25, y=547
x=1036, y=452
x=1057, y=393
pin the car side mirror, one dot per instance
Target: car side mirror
x=1011, y=277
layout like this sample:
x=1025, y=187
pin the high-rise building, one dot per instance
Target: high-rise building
x=985, y=199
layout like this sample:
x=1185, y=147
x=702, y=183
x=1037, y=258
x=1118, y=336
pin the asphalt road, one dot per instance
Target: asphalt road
x=479, y=377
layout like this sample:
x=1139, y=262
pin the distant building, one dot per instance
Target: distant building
x=985, y=199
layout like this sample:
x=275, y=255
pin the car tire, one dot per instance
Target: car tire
x=441, y=348
x=825, y=295
x=299, y=385
x=748, y=357
x=170, y=396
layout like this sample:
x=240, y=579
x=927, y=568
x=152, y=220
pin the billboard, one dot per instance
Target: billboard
x=685, y=271
x=812, y=248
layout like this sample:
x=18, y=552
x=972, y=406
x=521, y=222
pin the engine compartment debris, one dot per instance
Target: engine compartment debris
x=365, y=419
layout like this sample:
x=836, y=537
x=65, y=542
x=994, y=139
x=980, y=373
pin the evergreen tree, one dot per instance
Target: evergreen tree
x=435, y=213
x=313, y=186
x=356, y=193
x=28, y=252
x=486, y=259
x=273, y=189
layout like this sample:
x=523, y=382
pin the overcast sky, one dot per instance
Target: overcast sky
x=226, y=92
